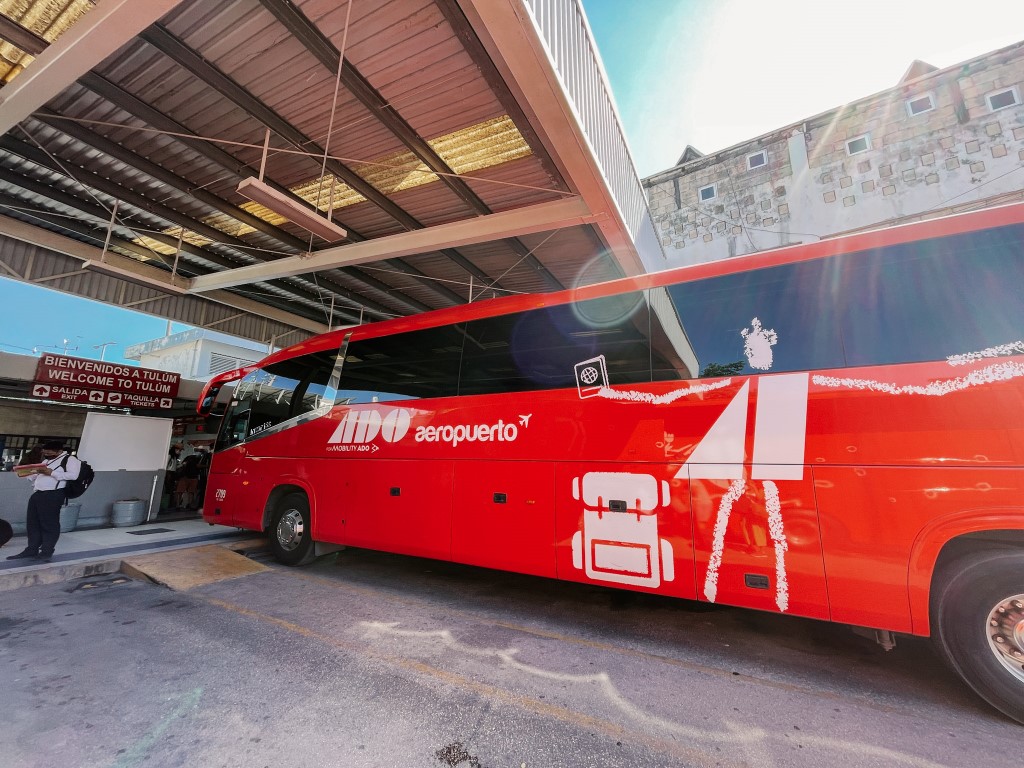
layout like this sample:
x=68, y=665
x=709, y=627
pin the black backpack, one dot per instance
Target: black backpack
x=75, y=488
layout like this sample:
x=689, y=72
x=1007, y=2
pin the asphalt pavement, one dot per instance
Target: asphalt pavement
x=194, y=654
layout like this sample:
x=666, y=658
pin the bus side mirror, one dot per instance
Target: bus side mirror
x=207, y=405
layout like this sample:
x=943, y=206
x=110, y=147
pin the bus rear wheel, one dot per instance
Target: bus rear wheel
x=291, y=538
x=979, y=626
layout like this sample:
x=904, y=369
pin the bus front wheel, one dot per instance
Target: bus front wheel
x=979, y=626
x=291, y=538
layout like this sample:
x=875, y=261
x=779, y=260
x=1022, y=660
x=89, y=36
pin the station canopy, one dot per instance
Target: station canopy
x=272, y=169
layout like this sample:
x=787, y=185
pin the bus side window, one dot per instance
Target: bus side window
x=539, y=348
x=404, y=366
x=798, y=302
x=239, y=424
x=928, y=301
x=315, y=392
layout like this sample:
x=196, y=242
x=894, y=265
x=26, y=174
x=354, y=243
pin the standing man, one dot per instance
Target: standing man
x=43, y=517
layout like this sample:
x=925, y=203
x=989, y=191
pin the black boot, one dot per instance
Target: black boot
x=25, y=553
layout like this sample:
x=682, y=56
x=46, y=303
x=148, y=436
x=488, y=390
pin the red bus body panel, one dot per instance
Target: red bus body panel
x=683, y=488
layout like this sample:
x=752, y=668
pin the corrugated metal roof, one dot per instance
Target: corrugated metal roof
x=418, y=137
x=48, y=19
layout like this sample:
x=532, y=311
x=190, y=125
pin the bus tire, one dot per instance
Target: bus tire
x=979, y=626
x=290, y=533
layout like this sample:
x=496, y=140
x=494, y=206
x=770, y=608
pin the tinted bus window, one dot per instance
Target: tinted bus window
x=933, y=299
x=540, y=348
x=318, y=390
x=672, y=353
x=798, y=302
x=403, y=366
x=275, y=395
x=907, y=303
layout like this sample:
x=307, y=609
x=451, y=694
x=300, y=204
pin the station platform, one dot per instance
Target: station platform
x=98, y=551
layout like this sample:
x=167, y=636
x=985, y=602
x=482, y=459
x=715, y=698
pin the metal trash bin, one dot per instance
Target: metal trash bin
x=128, y=512
x=69, y=516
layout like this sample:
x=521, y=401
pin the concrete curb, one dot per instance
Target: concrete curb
x=53, y=574
x=101, y=565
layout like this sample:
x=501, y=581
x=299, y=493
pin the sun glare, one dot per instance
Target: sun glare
x=742, y=69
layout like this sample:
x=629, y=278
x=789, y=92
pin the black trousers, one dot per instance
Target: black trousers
x=43, y=520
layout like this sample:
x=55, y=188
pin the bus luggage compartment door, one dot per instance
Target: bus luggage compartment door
x=758, y=545
x=397, y=506
x=504, y=516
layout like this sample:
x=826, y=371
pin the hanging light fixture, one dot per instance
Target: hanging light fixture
x=283, y=205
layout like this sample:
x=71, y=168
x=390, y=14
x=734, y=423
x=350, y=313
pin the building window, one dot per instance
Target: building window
x=705, y=194
x=920, y=104
x=220, y=363
x=1003, y=99
x=14, y=448
x=757, y=160
x=859, y=144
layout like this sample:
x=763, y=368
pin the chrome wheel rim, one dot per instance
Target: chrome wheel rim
x=1005, y=630
x=291, y=529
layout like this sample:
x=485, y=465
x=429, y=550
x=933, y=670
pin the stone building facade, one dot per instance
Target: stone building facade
x=940, y=142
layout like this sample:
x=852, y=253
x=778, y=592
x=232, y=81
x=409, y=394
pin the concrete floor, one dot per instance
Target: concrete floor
x=368, y=659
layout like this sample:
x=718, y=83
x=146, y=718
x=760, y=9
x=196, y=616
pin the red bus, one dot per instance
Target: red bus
x=832, y=430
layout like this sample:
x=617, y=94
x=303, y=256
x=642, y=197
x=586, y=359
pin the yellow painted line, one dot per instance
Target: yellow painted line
x=750, y=742
x=553, y=711
x=726, y=674
x=185, y=569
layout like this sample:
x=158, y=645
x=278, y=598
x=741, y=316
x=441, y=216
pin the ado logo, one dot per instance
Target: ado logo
x=363, y=427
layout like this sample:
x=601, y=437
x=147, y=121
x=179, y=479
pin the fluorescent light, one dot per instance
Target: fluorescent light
x=295, y=212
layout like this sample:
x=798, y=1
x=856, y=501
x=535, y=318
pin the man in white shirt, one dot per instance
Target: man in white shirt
x=43, y=517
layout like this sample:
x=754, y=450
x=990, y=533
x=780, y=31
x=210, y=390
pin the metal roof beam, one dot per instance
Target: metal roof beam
x=161, y=174
x=525, y=60
x=478, y=53
x=185, y=268
x=143, y=203
x=95, y=233
x=324, y=51
x=118, y=192
x=158, y=172
x=530, y=219
x=138, y=108
x=20, y=37
x=134, y=271
x=100, y=32
x=102, y=216
x=168, y=44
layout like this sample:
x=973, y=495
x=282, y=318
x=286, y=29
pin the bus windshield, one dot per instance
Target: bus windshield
x=279, y=395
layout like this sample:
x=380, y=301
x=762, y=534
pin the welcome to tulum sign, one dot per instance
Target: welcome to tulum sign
x=79, y=380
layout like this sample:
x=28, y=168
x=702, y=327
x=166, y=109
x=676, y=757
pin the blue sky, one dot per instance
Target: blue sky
x=41, y=318
x=710, y=73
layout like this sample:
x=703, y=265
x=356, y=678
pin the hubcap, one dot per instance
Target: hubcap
x=290, y=530
x=1006, y=634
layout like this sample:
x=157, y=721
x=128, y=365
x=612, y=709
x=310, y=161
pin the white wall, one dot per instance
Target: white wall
x=112, y=442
